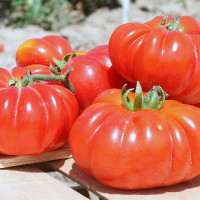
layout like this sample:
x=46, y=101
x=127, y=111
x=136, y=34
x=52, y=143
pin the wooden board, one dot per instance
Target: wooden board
x=183, y=191
x=29, y=183
x=10, y=161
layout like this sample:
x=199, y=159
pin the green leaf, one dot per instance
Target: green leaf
x=30, y=2
x=181, y=1
x=138, y=103
x=183, y=29
x=126, y=101
x=176, y=25
x=35, y=9
x=171, y=22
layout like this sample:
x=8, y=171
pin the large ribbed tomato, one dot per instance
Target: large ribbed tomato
x=137, y=149
x=160, y=52
x=42, y=51
x=34, y=119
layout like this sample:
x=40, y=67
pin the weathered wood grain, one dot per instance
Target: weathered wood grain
x=29, y=183
x=10, y=161
x=182, y=191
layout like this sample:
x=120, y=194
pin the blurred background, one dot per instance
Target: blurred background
x=85, y=23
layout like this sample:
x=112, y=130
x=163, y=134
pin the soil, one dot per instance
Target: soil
x=97, y=27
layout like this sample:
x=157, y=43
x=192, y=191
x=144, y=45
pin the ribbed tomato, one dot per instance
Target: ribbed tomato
x=140, y=145
x=34, y=119
x=160, y=52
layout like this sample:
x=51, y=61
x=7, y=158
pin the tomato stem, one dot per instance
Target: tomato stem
x=30, y=79
x=138, y=103
x=154, y=99
x=59, y=65
x=12, y=82
x=127, y=102
x=173, y=25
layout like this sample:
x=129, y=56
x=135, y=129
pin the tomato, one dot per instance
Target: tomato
x=34, y=119
x=42, y=51
x=129, y=149
x=1, y=47
x=160, y=52
x=81, y=52
x=93, y=73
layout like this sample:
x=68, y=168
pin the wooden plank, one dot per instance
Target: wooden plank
x=29, y=183
x=10, y=161
x=182, y=191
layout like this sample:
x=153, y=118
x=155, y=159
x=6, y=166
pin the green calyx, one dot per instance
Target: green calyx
x=59, y=65
x=173, y=25
x=29, y=79
x=154, y=99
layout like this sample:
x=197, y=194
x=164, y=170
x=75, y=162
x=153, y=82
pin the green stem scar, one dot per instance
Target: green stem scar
x=154, y=99
x=173, y=25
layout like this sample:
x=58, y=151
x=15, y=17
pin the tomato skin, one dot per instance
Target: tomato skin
x=34, y=119
x=5, y=77
x=89, y=78
x=1, y=47
x=155, y=56
x=19, y=72
x=81, y=52
x=42, y=51
x=136, y=150
x=93, y=73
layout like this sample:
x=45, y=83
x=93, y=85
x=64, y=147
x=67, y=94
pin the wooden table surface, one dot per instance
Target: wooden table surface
x=184, y=191
x=29, y=182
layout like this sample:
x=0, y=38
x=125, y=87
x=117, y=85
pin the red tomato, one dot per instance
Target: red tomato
x=81, y=52
x=134, y=150
x=153, y=55
x=93, y=73
x=34, y=119
x=1, y=47
x=42, y=51
x=35, y=69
